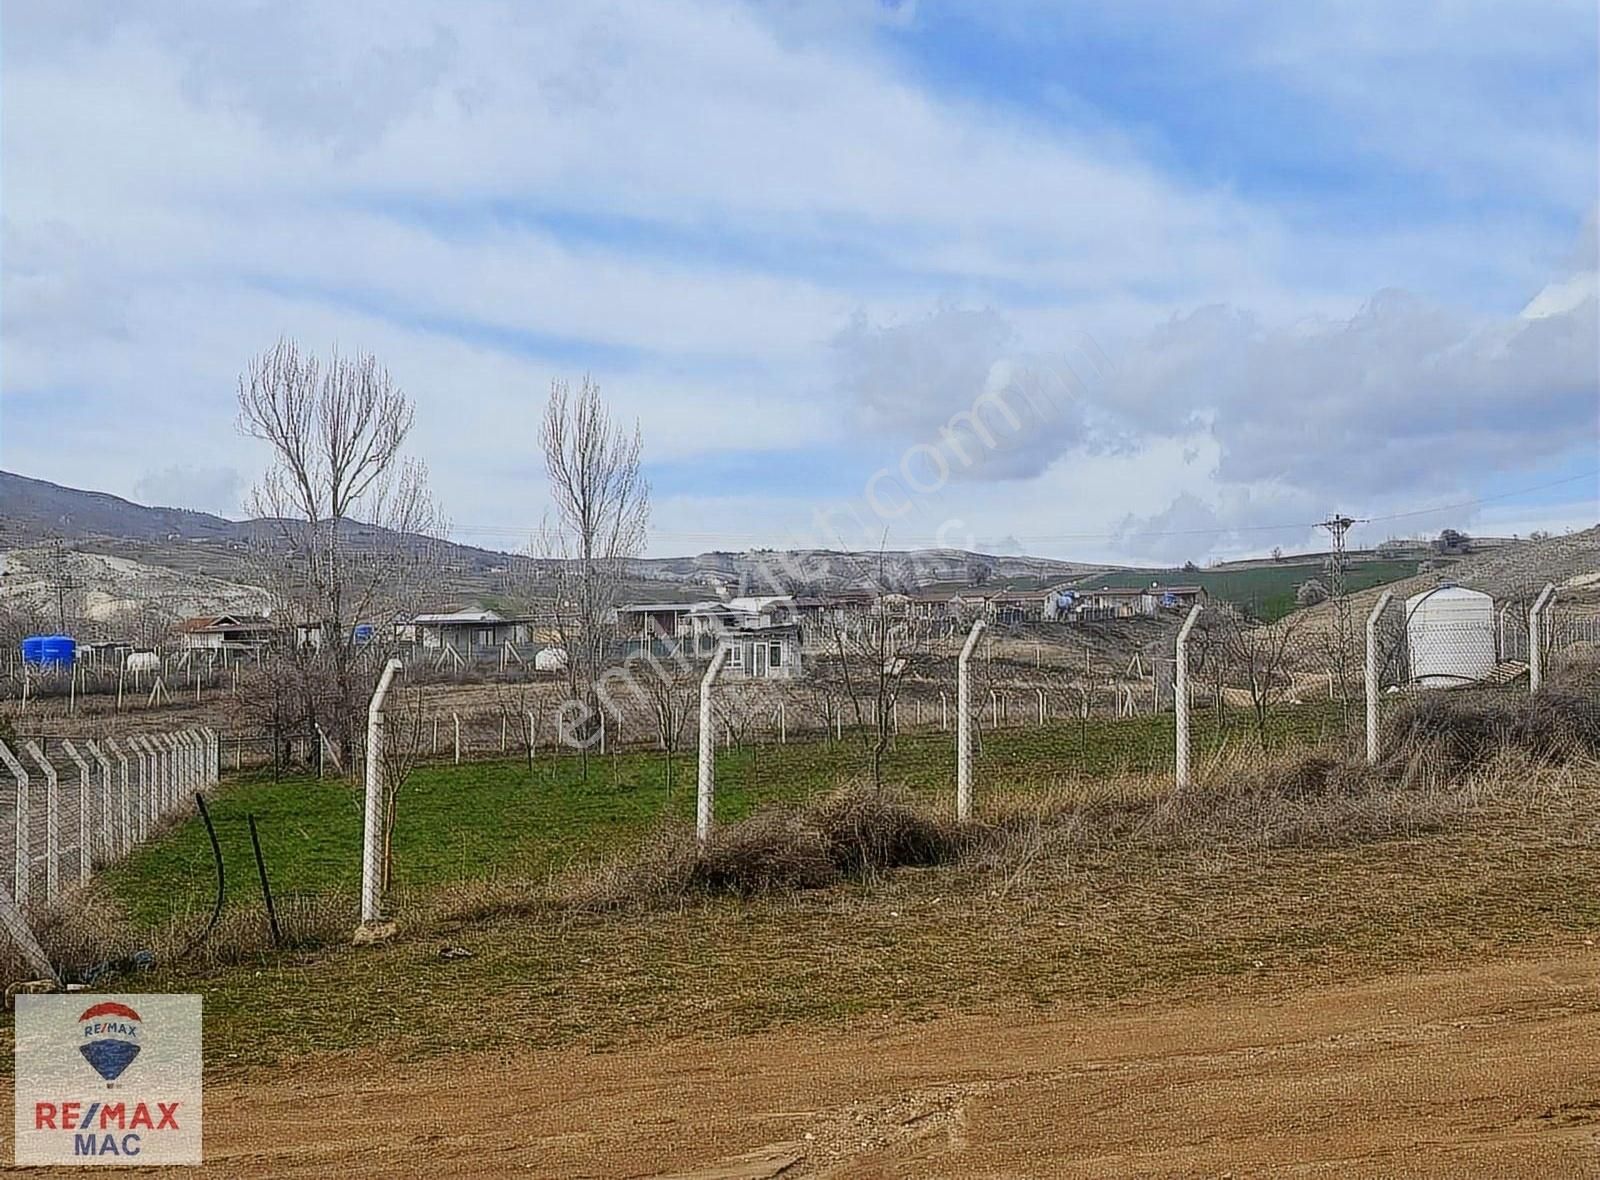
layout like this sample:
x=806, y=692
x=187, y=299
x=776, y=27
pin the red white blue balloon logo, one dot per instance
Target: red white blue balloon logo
x=111, y=1034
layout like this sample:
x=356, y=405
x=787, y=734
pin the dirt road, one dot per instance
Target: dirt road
x=1493, y=1071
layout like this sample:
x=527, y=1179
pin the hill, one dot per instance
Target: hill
x=1266, y=589
x=140, y=547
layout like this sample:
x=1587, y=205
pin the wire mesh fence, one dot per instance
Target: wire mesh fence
x=70, y=807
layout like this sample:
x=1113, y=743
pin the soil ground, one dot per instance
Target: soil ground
x=1490, y=1070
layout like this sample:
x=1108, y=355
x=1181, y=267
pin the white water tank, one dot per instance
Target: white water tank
x=1450, y=635
x=550, y=659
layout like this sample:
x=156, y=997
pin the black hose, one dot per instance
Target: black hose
x=222, y=888
x=144, y=960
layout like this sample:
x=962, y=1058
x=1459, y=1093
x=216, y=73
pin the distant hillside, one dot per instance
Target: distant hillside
x=1265, y=589
x=212, y=549
x=197, y=544
x=35, y=510
x=1518, y=572
x=755, y=571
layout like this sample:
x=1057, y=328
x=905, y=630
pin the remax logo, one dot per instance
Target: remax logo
x=108, y=1079
x=111, y=1038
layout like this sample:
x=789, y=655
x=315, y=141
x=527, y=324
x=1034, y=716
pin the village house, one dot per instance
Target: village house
x=653, y=620
x=468, y=634
x=769, y=652
x=1073, y=605
x=762, y=635
x=243, y=633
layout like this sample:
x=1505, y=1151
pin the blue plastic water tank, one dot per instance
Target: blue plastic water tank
x=58, y=650
x=33, y=649
x=363, y=633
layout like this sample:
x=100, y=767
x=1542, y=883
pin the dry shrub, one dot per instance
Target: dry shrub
x=472, y=901
x=1310, y=801
x=1464, y=728
x=854, y=833
x=771, y=852
x=865, y=831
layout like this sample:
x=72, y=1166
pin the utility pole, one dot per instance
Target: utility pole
x=1338, y=525
x=60, y=580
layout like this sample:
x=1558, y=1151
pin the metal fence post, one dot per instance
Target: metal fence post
x=706, y=789
x=22, y=865
x=1536, y=637
x=964, y=723
x=372, y=841
x=1372, y=675
x=1180, y=697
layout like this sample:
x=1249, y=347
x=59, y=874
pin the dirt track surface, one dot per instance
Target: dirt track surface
x=1492, y=1071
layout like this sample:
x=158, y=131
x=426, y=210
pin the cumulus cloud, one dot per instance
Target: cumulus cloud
x=184, y=485
x=1405, y=393
x=960, y=372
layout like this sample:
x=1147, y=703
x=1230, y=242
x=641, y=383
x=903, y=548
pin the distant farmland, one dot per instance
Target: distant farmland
x=1267, y=591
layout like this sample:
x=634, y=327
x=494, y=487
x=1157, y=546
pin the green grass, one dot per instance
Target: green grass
x=1265, y=591
x=495, y=819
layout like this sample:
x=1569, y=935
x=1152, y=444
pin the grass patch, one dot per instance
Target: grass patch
x=489, y=820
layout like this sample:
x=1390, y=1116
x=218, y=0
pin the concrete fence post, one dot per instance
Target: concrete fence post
x=964, y=722
x=17, y=926
x=108, y=801
x=85, y=839
x=457, y=718
x=52, y=830
x=1536, y=637
x=373, y=813
x=1180, y=697
x=124, y=808
x=194, y=748
x=166, y=746
x=149, y=785
x=139, y=813
x=706, y=789
x=1372, y=671
x=21, y=865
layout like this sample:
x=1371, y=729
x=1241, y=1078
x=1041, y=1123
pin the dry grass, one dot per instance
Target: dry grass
x=89, y=934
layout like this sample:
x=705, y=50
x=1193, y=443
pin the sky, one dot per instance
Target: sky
x=1146, y=282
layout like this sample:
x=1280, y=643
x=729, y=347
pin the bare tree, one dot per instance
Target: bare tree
x=870, y=659
x=349, y=532
x=1257, y=655
x=600, y=512
x=674, y=692
x=402, y=748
